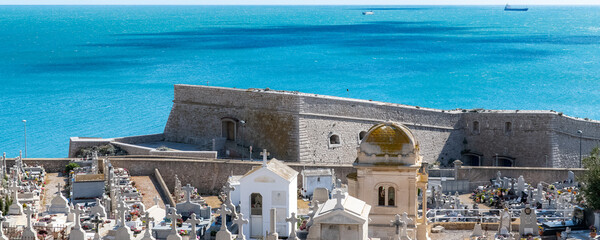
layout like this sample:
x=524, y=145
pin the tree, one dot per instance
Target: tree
x=70, y=167
x=591, y=179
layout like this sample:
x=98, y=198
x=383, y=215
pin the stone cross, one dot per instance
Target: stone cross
x=228, y=189
x=77, y=211
x=240, y=221
x=264, y=154
x=97, y=222
x=188, y=192
x=293, y=221
x=29, y=211
x=58, y=187
x=156, y=200
x=174, y=216
x=2, y=237
x=339, y=196
x=397, y=222
x=122, y=208
x=192, y=220
x=223, y=211
x=406, y=221
x=146, y=218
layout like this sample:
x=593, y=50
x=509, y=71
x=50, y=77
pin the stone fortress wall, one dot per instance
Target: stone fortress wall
x=297, y=126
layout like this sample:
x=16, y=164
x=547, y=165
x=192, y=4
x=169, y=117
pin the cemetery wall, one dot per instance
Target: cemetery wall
x=50, y=164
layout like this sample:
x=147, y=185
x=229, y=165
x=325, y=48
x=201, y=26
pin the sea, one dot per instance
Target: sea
x=109, y=71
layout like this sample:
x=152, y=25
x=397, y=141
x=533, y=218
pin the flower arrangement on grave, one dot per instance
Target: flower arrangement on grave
x=179, y=222
x=183, y=232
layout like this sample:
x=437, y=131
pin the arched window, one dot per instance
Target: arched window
x=391, y=196
x=362, y=135
x=381, y=196
x=255, y=204
x=334, y=140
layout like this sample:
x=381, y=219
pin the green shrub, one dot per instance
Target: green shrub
x=70, y=167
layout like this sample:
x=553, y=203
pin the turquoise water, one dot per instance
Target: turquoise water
x=107, y=71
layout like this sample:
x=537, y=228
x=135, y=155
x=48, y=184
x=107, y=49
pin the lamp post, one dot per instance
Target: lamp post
x=242, y=123
x=580, y=137
x=25, y=134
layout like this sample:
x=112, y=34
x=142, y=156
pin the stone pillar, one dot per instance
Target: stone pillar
x=421, y=223
x=457, y=165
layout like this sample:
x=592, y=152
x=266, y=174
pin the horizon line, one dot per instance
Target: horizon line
x=284, y=4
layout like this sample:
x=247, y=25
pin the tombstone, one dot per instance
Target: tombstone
x=477, y=231
x=16, y=208
x=571, y=177
x=173, y=234
x=188, y=207
x=147, y=219
x=313, y=209
x=59, y=203
x=321, y=194
x=505, y=183
x=98, y=209
x=123, y=232
x=504, y=226
x=294, y=222
x=2, y=219
x=228, y=189
x=240, y=221
x=401, y=224
x=528, y=224
x=339, y=196
x=520, y=186
x=28, y=232
x=223, y=233
x=272, y=226
x=193, y=221
x=77, y=233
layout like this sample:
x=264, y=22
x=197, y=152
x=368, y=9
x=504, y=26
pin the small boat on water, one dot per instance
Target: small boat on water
x=368, y=13
x=511, y=8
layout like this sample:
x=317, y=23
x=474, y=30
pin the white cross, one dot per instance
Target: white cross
x=194, y=221
x=339, y=196
x=188, y=192
x=122, y=208
x=29, y=211
x=264, y=154
x=174, y=216
x=223, y=211
x=397, y=222
x=156, y=200
x=240, y=221
x=2, y=219
x=314, y=207
x=146, y=218
x=294, y=221
x=406, y=221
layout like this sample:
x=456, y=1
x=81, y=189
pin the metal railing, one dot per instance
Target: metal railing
x=492, y=215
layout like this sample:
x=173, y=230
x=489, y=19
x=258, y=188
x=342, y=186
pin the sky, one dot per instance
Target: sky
x=298, y=2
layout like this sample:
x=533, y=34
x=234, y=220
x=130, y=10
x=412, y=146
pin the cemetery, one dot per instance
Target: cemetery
x=388, y=194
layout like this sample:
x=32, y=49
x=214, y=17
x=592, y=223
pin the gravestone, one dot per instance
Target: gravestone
x=28, y=232
x=98, y=209
x=147, y=219
x=2, y=219
x=272, y=226
x=520, y=186
x=528, y=222
x=59, y=203
x=223, y=233
x=16, y=208
x=188, y=207
x=400, y=223
x=321, y=194
x=173, y=234
x=293, y=221
x=123, y=232
x=240, y=221
x=77, y=233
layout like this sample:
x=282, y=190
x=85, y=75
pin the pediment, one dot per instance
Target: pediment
x=339, y=217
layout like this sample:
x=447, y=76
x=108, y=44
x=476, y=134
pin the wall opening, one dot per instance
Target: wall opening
x=228, y=129
x=507, y=127
x=475, y=128
x=381, y=196
x=255, y=204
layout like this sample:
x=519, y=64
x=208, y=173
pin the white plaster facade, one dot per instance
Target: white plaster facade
x=277, y=185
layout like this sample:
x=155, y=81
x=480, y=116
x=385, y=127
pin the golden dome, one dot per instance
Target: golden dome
x=390, y=138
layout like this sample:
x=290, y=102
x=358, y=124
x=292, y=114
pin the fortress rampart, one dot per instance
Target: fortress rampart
x=310, y=128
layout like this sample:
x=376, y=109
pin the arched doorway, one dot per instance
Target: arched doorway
x=228, y=128
x=256, y=218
